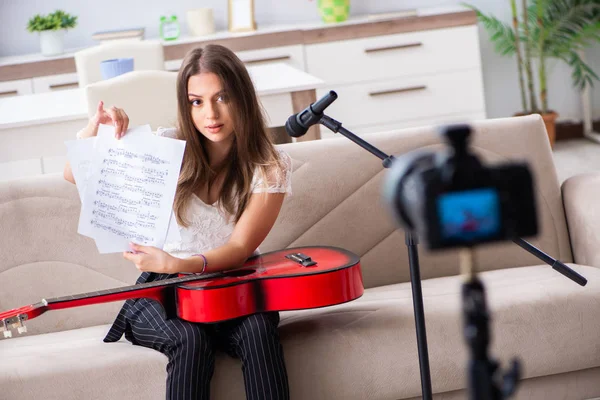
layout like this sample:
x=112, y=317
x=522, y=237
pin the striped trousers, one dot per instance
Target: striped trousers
x=190, y=348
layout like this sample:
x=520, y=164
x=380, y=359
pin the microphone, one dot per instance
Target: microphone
x=298, y=124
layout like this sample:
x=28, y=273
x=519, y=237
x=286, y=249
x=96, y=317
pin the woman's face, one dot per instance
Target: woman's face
x=210, y=108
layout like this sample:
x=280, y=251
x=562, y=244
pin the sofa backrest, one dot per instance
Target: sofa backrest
x=336, y=201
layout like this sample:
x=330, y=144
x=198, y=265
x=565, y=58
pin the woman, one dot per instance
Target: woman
x=230, y=191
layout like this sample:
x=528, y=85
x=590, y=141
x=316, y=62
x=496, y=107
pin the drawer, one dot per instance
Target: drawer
x=437, y=120
x=53, y=83
x=292, y=55
x=15, y=88
x=391, y=56
x=401, y=99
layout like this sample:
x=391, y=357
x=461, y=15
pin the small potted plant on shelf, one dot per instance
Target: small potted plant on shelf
x=332, y=11
x=544, y=29
x=52, y=28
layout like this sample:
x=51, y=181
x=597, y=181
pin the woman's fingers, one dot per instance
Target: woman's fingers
x=125, y=125
x=114, y=115
x=116, y=119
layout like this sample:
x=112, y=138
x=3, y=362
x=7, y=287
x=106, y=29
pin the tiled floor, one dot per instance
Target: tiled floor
x=576, y=156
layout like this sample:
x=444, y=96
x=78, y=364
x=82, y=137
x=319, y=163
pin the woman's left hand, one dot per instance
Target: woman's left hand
x=151, y=259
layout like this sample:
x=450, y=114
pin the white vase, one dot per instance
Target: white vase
x=52, y=42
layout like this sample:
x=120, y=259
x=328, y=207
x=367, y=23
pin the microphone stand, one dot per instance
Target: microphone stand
x=412, y=241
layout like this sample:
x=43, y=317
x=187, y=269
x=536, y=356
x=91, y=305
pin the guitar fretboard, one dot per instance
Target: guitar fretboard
x=135, y=288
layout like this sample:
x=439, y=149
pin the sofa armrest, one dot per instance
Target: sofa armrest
x=581, y=200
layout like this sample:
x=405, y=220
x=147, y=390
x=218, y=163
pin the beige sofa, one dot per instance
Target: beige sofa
x=365, y=349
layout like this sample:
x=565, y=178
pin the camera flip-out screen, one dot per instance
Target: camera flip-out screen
x=470, y=215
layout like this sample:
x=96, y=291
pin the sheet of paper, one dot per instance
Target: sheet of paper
x=79, y=154
x=173, y=234
x=131, y=188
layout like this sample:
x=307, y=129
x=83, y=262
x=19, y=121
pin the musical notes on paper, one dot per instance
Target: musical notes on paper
x=146, y=158
x=132, y=235
x=130, y=191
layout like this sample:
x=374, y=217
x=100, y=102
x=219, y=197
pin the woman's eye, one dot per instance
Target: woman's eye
x=195, y=102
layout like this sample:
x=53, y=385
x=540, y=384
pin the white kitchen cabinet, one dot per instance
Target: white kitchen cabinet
x=292, y=55
x=53, y=83
x=401, y=80
x=414, y=97
x=15, y=88
x=390, y=56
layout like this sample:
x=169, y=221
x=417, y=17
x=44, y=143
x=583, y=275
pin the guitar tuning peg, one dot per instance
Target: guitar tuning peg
x=21, y=328
x=5, y=329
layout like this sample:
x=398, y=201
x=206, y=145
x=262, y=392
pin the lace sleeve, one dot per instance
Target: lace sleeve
x=278, y=180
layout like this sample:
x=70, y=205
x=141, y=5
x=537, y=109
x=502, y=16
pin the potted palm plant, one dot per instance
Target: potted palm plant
x=52, y=28
x=545, y=29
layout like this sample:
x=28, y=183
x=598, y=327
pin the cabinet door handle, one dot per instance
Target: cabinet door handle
x=401, y=90
x=9, y=93
x=64, y=85
x=397, y=47
x=269, y=59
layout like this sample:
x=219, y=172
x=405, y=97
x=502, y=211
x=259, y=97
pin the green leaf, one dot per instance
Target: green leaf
x=582, y=73
x=501, y=34
x=53, y=21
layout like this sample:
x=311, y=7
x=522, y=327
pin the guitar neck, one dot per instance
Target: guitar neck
x=153, y=290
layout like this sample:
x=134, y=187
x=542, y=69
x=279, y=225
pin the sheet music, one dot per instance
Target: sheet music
x=129, y=194
x=79, y=154
x=173, y=234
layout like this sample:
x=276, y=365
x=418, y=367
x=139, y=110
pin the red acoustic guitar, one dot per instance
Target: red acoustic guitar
x=291, y=279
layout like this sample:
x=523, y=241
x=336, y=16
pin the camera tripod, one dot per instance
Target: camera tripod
x=482, y=369
x=484, y=382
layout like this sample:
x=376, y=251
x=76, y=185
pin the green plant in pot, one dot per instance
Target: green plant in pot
x=543, y=30
x=52, y=28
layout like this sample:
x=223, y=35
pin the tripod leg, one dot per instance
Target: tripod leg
x=556, y=264
x=415, y=280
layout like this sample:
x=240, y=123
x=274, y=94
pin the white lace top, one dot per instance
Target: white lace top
x=209, y=227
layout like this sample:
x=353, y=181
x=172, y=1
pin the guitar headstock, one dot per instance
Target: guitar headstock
x=15, y=319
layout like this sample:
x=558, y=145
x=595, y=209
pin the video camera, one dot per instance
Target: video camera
x=450, y=199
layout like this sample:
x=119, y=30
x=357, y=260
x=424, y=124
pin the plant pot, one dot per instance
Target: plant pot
x=333, y=10
x=550, y=123
x=52, y=42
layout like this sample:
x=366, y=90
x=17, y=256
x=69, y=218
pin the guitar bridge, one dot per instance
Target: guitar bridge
x=301, y=259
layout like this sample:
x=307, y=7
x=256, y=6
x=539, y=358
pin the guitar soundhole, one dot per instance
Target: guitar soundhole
x=240, y=272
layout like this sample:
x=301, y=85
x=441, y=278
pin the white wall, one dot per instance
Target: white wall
x=501, y=87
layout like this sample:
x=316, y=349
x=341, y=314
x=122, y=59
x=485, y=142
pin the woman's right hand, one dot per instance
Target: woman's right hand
x=113, y=116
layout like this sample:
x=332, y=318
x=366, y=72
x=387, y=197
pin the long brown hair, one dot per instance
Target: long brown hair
x=252, y=147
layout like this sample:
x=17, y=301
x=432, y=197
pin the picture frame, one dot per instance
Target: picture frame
x=241, y=16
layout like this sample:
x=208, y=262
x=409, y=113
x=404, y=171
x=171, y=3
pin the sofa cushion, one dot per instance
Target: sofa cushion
x=358, y=350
